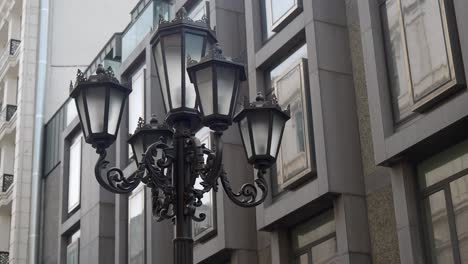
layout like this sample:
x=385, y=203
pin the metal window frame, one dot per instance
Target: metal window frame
x=443, y=185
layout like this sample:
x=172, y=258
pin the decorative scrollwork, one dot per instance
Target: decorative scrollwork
x=247, y=196
x=114, y=180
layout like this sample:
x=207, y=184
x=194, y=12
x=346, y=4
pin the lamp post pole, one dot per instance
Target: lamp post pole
x=183, y=241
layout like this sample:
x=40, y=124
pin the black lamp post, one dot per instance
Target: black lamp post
x=169, y=157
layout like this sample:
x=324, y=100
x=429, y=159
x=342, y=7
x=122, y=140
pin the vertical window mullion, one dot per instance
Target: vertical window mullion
x=406, y=53
x=452, y=225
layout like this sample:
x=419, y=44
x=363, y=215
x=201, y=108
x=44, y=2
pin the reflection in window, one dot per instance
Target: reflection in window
x=443, y=180
x=314, y=241
x=290, y=88
x=74, y=173
x=417, y=58
x=73, y=248
x=136, y=227
x=136, y=102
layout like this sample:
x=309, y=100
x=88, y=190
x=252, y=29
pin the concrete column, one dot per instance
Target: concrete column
x=14, y=27
x=352, y=234
x=9, y=91
x=5, y=220
x=406, y=213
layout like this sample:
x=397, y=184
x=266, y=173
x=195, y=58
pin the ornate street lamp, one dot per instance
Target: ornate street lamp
x=173, y=44
x=170, y=159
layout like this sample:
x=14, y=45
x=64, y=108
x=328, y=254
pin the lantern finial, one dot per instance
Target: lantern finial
x=100, y=69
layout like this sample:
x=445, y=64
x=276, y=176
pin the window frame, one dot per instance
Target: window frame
x=452, y=46
x=310, y=170
x=425, y=193
x=77, y=138
x=296, y=253
x=213, y=230
x=134, y=193
x=288, y=16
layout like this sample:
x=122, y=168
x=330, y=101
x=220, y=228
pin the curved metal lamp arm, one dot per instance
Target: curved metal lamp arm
x=116, y=181
x=248, y=193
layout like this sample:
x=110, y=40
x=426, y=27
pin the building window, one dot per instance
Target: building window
x=296, y=155
x=73, y=248
x=277, y=14
x=136, y=102
x=136, y=227
x=200, y=10
x=74, y=173
x=207, y=228
x=443, y=182
x=420, y=54
x=314, y=242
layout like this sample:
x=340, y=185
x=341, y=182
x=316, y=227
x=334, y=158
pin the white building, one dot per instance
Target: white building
x=76, y=30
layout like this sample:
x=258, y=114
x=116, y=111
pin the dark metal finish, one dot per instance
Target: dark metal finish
x=14, y=45
x=8, y=112
x=4, y=257
x=7, y=182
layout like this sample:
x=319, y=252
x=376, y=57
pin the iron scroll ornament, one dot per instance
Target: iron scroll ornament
x=155, y=171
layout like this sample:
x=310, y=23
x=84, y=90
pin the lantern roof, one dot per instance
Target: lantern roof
x=150, y=127
x=262, y=104
x=102, y=77
x=182, y=20
x=215, y=55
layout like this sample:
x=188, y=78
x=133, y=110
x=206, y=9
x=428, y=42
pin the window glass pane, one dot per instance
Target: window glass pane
x=74, y=174
x=313, y=230
x=439, y=232
x=459, y=189
x=287, y=80
x=324, y=251
x=161, y=75
x=71, y=111
x=443, y=165
x=425, y=39
x=136, y=100
x=396, y=58
x=135, y=34
x=244, y=127
x=280, y=8
x=136, y=228
x=198, y=11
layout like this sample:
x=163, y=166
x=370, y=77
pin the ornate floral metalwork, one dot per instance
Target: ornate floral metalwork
x=155, y=170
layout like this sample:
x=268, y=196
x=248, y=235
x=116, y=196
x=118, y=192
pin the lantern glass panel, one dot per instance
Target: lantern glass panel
x=244, y=128
x=194, y=49
x=82, y=112
x=260, y=128
x=162, y=77
x=137, y=148
x=95, y=98
x=205, y=88
x=278, y=126
x=116, y=103
x=172, y=49
x=226, y=78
